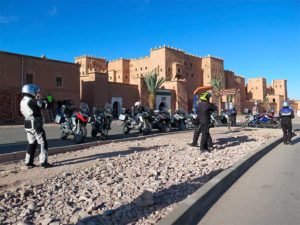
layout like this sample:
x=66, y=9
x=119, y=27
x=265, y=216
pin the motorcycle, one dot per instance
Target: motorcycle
x=192, y=120
x=219, y=120
x=141, y=122
x=179, y=120
x=73, y=122
x=100, y=122
x=161, y=120
x=262, y=121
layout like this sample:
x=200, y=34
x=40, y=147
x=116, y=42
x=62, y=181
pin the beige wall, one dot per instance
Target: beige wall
x=257, y=89
x=280, y=88
x=213, y=69
x=118, y=71
x=176, y=65
x=277, y=99
x=44, y=72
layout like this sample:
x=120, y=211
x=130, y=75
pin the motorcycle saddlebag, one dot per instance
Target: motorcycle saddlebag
x=59, y=119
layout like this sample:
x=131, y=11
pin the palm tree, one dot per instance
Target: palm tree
x=153, y=84
x=218, y=87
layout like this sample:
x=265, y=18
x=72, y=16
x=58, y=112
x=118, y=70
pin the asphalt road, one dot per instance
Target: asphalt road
x=268, y=193
x=14, y=139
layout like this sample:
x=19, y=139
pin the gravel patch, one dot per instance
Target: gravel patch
x=134, y=182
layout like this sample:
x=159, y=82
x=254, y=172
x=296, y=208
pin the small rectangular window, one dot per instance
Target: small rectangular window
x=29, y=78
x=59, y=81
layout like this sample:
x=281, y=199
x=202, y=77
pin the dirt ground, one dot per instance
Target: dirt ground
x=143, y=169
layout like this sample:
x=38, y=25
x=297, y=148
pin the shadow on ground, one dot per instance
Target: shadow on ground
x=222, y=143
x=132, y=212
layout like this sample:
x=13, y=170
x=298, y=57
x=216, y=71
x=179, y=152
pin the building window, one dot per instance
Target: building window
x=192, y=75
x=161, y=70
x=185, y=63
x=126, y=77
x=178, y=70
x=191, y=64
x=169, y=69
x=141, y=68
x=187, y=74
x=59, y=81
x=29, y=78
x=135, y=69
x=273, y=100
x=110, y=78
x=280, y=86
x=145, y=67
x=119, y=77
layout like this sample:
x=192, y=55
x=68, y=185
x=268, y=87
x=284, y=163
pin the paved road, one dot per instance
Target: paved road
x=268, y=193
x=14, y=139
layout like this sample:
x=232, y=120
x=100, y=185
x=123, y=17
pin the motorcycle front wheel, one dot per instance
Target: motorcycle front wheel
x=63, y=135
x=80, y=134
x=146, y=128
x=125, y=129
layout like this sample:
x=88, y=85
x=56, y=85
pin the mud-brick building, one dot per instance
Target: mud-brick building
x=58, y=78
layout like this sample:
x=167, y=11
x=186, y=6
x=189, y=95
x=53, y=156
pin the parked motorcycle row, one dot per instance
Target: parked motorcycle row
x=262, y=121
x=73, y=121
x=145, y=121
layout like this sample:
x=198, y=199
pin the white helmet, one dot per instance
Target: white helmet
x=31, y=89
x=285, y=104
x=137, y=104
x=255, y=103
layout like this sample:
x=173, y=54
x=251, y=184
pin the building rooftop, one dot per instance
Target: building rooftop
x=43, y=58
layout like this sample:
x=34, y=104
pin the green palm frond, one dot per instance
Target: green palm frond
x=217, y=85
x=153, y=82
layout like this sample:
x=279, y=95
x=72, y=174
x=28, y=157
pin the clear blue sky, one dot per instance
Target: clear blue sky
x=255, y=38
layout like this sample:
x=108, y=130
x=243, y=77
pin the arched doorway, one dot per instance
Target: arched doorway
x=115, y=109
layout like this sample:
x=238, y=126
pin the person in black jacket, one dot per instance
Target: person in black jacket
x=286, y=115
x=204, y=109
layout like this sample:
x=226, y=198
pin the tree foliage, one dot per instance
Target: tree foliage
x=153, y=83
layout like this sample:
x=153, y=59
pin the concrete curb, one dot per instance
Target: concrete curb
x=10, y=157
x=194, y=207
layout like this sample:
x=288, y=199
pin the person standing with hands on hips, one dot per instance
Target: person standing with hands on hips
x=31, y=105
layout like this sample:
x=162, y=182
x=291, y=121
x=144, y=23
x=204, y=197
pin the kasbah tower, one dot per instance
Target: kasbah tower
x=183, y=73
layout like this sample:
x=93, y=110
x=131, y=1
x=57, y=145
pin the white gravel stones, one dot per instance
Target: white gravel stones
x=140, y=187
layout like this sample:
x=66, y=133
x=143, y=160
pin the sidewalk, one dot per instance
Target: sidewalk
x=268, y=193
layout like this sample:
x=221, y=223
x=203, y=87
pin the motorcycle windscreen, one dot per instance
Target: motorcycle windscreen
x=84, y=108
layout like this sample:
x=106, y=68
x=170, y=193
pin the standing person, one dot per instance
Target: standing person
x=255, y=109
x=286, y=115
x=33, y=122
x=204, y=111
x=232, y=114
x=137, y=109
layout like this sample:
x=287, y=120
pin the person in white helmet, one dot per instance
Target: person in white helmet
x=255, y=109
x=137, y=109
x=286, y=114
x=31, y=107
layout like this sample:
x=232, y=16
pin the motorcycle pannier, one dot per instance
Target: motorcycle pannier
x=122, y=117
x=59, y=119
